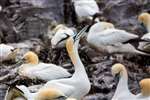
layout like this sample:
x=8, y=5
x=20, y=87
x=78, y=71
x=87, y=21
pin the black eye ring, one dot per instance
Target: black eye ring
x=67, y=36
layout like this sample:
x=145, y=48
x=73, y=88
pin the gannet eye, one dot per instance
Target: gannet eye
x=64, y=37
x=60, y=98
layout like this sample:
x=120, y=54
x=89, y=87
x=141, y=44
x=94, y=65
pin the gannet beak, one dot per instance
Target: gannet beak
x=81, y=33
x=143, y=27
x=117, y=78
x=21, y=61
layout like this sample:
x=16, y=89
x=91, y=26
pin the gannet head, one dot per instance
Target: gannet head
x=61, y=34
x=50, y=94
x=13, y=93
x=31, y=58
x=145, y=87
x=144, y=18
x=101, y=26
x=13, y=53
x=117, y=69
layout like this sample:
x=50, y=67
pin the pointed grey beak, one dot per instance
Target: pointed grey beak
x=117, y=77
x=81, y=33
x=144, y=28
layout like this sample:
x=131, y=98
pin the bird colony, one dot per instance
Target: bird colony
x=59, y=84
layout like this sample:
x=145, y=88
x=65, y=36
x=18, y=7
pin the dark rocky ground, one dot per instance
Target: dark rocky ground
x=24, y=24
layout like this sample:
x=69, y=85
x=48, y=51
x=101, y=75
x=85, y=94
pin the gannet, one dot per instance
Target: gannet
x=22, y=93
x=122, y=92
x=144, y=18
x=78, y=85
x=33, y=69
x=75, y=87
x=86, y=9
x=104, y=37
x=7, y=52
x=62, y=32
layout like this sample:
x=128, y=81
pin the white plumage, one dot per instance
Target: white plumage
x=61, y=32
x=7, y=52
x=110, y=40
x=43, y=71
x=85, y=8
x=34, y=70
x=122, y=92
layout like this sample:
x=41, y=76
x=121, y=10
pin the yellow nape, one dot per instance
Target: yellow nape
x=31, y=58
x=108, y=25
x=60, y=26
x=144, y=18
x=69, y=44
x=117, y=68
x=48, y=94
x=145, y=87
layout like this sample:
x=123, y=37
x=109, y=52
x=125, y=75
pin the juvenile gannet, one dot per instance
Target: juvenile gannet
x=7, y=52
x=104, y=37
x=78, y=85
x=22, y=93
x=122, y=92
x=144, y=18
x=62, y=32
x=86, y=9
x=33, y=69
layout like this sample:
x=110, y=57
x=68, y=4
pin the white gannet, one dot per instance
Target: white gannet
x=145, y=90
x=7, y=52
x=78, y=85
x=86, y=9
x=144, y=18
x=122, y=91
x=61, y=32
x=22, y=93
x=104, y=37
x=33, y=69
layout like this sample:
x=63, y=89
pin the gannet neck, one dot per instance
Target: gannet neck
x=123, y=82
x=74, y=56
x=148, y=26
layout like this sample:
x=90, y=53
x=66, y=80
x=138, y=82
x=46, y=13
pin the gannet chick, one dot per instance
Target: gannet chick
x=145, y=90
x=86, y=9
x=109, y=40
x=144, y=18
x=7, y=52
x=34, y=69
x=62, y=32
x=78, y=85
x=122, y=92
